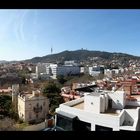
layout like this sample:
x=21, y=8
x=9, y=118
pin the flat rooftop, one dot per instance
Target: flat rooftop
x=112, y=112
x=79, y=106
x=108, y=112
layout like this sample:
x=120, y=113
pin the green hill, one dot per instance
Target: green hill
x=82, y=55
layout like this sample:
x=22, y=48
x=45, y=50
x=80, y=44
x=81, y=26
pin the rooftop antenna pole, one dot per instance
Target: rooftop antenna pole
x=51, y=50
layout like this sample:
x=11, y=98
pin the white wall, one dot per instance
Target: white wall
x=41, y=68
x=118, y=99
x=73, y=102
x=21, y=108
x=122, y=117
x=132, y=112
x=91, y=114
x=92, y=103
x=93, y=118
x=102, y=103
x=130, y=116
x=82, y=69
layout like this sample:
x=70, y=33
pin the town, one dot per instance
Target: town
x=69, y=70
x=57, y=97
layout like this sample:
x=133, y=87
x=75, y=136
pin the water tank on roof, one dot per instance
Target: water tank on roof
x=106, y=101
x=102, y=103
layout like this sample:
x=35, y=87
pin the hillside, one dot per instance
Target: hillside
x=82, y=55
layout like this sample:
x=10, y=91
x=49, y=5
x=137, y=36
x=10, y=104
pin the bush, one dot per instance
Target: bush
x=14, y=115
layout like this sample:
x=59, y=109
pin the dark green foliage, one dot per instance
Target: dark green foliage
x=52, y=91
x=5, y=104
x=13, y=114
x=24, y=74
x=6, y=108
x=61, y=79
x=51, y=88
x=23, y=80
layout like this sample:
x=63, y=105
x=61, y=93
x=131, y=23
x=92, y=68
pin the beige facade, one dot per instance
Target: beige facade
x=32, y=107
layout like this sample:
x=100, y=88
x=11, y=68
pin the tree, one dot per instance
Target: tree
x=13, y=115
x=61, y=79
x=53, y=93
x=51, y=88
x=23, y=80
x=6, y=107
x=5, y=104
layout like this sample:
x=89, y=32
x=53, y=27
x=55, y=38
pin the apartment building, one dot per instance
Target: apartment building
x=54, y=70
x=41, y=68
x=100, y=111
x=32, y=107
x=96, y=70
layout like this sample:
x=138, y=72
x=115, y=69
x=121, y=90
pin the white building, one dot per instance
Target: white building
x=41, y=68
x=46, y=70
x=32, y=107
x=101, y=111
x=70, y=63
x=54, y=70
x=96, y=70
x=84, y=70
x=112, y=72
x=34, y=75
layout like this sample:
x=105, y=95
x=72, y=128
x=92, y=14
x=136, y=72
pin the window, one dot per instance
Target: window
x=64, y=123
x=81, y=125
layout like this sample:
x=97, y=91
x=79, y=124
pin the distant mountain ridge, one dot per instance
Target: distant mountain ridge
x=81, y=55
x=3, y=61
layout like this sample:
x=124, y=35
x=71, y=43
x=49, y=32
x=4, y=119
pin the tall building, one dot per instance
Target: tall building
x=41, y=68
x=54, y=70
x=95, y=71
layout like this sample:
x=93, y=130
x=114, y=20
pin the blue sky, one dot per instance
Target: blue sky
x=25, y=34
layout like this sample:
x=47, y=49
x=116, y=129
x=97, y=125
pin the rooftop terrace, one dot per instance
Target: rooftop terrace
x=108, y=112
